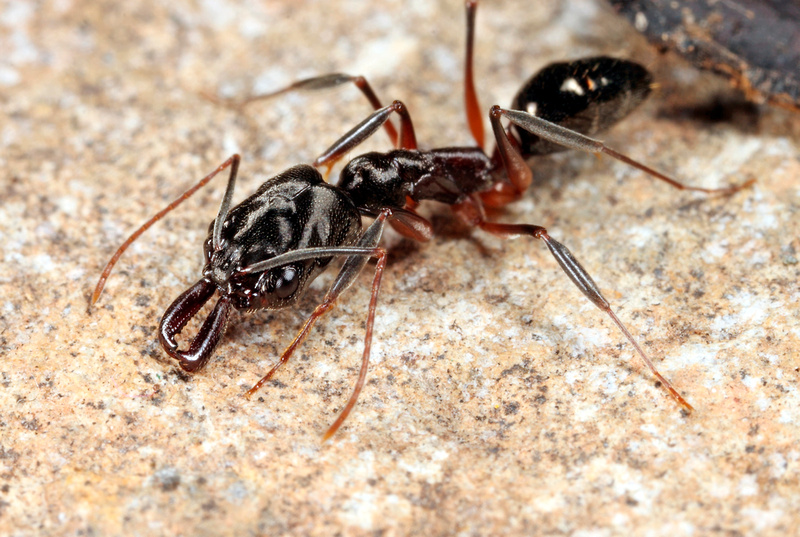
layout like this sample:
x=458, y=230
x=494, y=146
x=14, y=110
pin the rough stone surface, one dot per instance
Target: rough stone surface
x=499, y=402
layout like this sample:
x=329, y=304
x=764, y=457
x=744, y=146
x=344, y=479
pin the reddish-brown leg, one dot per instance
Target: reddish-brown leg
x=327, y=305
x=362, y=373
x=406, y=222
x=518, y=172
x=318, y=312
x=474, y=115
x=472, y=213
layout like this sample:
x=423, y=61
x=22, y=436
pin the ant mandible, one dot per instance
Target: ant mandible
x=264, y=252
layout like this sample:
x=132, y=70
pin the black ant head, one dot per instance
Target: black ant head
x=274, y=288
x=292, y=211
x=271, y=289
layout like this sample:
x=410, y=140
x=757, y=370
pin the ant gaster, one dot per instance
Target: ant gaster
x=264, y=252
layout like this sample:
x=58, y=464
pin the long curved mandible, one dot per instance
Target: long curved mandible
x=208, y=337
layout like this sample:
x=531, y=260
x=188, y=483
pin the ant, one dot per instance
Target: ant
x=264, y=252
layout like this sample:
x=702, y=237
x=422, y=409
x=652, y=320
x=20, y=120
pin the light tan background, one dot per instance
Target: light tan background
x=499, y=401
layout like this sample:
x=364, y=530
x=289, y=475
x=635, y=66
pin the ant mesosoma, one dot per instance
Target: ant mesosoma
x=264, y=252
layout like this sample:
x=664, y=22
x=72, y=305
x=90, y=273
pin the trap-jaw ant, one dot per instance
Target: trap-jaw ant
x=264, y=252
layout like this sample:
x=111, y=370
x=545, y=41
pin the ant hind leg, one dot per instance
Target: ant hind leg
x=472, y=213
x=574, y=140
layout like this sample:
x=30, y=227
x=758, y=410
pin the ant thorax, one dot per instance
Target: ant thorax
x=447, y=175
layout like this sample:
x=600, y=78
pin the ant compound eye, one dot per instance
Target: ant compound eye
x=287, y=283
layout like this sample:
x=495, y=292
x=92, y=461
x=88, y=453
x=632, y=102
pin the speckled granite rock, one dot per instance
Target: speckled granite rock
x=498, y=402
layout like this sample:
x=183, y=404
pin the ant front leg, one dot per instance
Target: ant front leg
x=316, y=83
x=557, y=134
x=351, y=268
x=519, y=176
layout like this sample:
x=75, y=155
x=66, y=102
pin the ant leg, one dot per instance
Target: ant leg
x=350, y=270
x=405, y=221
x=367, y=128
x=233, y=162
x=474, y=115
x=518, y=172
x=362, y=373
x=316, y=83
x=574, y=140
x=411, y=225
x=472, y=213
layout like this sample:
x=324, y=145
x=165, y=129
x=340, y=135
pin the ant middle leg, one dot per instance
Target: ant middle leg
x=355, y=136
x=317, y=83
x=404, y=220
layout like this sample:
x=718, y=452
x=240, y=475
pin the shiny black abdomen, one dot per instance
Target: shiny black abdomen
x=587, y=96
